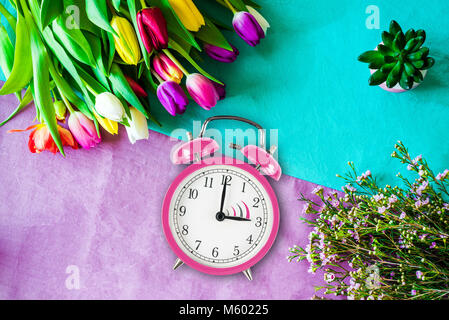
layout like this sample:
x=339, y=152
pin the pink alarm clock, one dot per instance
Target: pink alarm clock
x=220, y=216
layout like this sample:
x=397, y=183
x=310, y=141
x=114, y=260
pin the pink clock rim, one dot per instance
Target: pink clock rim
x=211, y=270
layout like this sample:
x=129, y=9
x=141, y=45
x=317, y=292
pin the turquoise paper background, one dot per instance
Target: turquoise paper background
x=304, y=79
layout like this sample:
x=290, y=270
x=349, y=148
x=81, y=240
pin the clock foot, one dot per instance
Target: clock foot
x=248, y=274
x=178, y=263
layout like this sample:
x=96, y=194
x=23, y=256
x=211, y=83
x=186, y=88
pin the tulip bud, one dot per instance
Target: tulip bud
x=260, y=19
x=60, y=110
x=153, y=29
x=109, y=125
x=109, y=106
x=138, y=126
x=188, y=13
x=138, y=90
x=166, y=68
x=126, y=41
x=172, y=97
x=202, y=90
x=83, y=129
x=221, y=90
x=221, y=54
x=248, y=28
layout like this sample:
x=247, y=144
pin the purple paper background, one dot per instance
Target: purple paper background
x=100, y=211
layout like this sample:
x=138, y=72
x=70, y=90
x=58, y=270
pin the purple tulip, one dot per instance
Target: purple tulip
x=220, y=54
x=172, y=97
x=248, y=28
x=221, y=90
x=202, y=90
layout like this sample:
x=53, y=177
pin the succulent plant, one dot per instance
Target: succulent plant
x=400, y=58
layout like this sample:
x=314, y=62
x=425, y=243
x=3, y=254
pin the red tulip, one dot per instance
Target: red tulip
x=166, y=68
x=138, y=90
x=153, y=29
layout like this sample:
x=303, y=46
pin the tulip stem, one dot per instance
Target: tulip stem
x=230, y=6
x=144, y=5
x=157, y=76
x=66, y=102
x=91, y=90
x=175, y=61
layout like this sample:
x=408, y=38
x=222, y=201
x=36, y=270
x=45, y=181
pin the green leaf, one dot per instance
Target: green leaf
x=406, y=82
x=22, y=70
x=399, y=42
x=411, y=44
x=7, y=52
x=377, y=78
x=387, y=39
x=418, y=77
x=371, y=56
x=418, y=64
x=419, y=55
x=386, y=68
x=12, y=21
x=428, y=63
x=252, y=4
x=41, y=82
x=210, y=34
x=185, y=54
x=174, y=23
x=116, y=4
x=121, y=86
x=50, y=10
x=410, y=34
x=384, y=50
x=395, y=75
x=395, y=28
x=421, y=33
x=409, y=69
x=97, y=12
x=238, y=4
x=74, y=41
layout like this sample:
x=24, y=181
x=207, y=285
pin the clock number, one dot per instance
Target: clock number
x=226, y=180
x=258, y=222
x=244, y=187
x=215, y=252
x=185, y=230
x=198, y=244
x=193, y=194
x=256, y=202
x=250, y=239
x=182, y=211
x=209, y=182
x=236, y=251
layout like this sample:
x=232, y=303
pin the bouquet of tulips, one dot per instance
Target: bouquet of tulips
x=96, y=61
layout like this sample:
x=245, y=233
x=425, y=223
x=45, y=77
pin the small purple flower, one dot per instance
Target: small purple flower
x=172, y=97
x=378, y=197
x=413, y=292
x=318, y=190
x=221, y=54
x=433, y=245
x=402, y=216
x=392, y=199
x=248, y=28
x=382, y=210
x=419, y=274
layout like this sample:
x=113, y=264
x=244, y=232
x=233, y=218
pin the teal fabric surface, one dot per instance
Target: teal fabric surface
x=304, y=80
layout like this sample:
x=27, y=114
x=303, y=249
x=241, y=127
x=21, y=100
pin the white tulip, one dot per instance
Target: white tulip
x=110, y=107
x=260, y=19
x=138, y=126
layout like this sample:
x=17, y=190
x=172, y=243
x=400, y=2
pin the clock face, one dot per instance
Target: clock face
x=222, y=216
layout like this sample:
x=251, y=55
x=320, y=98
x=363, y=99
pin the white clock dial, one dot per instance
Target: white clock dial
x=215, y=234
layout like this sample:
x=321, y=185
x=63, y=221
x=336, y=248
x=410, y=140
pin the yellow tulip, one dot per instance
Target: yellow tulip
x=109, y=125
x=126, y=42
x=188, y=13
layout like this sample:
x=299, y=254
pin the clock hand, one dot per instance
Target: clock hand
x=236, y=218
x=223, y=197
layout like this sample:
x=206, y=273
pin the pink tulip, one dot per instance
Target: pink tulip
x=83, y=130
x=202, y=90
x=166, y=68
